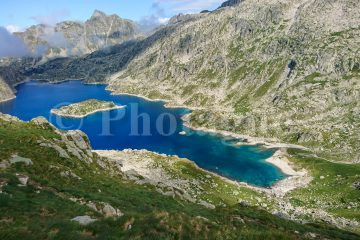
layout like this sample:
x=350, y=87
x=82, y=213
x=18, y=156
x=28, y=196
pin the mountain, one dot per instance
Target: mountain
x=281, y=65
x=72, y=38
x=287, y=70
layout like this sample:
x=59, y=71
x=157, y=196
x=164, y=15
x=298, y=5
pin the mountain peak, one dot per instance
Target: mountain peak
x=98, y=13
x=230, y=3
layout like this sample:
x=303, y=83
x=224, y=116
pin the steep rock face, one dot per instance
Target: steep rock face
x=76, y=38
x=282, y=69
x=5, y=91
x=10, y=75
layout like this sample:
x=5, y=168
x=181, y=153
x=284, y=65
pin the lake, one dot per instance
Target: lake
x=115, y=130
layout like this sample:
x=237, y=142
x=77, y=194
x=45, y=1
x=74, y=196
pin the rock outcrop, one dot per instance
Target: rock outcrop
x=17, y=159
x=73, y=143
x=84, y=220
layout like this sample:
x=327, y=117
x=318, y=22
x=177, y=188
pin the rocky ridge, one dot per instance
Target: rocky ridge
x=72, y=38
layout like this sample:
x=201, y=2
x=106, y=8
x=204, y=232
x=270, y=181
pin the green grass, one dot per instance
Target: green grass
x=334, y=192
x=207, y=74
x=237, y=75
x=33, y=213
x=188, y=90
x=242, y=106
x=263, y=89
x=311, y=78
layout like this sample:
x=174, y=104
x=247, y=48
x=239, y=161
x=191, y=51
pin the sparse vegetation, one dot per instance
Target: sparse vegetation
x=332, y=189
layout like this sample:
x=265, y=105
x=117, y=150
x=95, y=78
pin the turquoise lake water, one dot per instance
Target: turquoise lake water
x=211, y=152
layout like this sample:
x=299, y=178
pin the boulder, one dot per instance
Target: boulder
x=70, y=174
x=61, y=151
x=110, y=211
x=357, y=185
x=84, y=220
x=17, y=159
x=23, y=179
x=92, y=206
x=4, y=165
x=206, y=204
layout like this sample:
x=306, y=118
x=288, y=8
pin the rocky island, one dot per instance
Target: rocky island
x=85, y=108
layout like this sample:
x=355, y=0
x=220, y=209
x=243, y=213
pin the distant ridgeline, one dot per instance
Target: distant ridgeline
x=230, y=3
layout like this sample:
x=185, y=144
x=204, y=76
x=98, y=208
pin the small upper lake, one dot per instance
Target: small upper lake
x=211, y=152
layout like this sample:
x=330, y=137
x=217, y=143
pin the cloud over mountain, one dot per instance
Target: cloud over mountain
x=11, y=46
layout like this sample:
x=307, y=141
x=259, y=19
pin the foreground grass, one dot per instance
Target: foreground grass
x=42, y=209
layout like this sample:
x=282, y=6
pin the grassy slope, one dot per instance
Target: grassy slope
x=332, y=189
x=26, y=214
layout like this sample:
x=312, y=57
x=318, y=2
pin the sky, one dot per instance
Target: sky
x=16, y=15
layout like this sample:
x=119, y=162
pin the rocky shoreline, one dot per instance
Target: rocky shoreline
x=7, y=99
x=295, y=180
x=278, y=159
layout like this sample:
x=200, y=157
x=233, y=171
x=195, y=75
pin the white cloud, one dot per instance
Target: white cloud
x=163, y=20
x=13, y=28
x=156, y=18
x=11, y=46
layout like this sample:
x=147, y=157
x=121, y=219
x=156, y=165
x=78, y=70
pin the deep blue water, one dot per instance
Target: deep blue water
x=209, y=151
